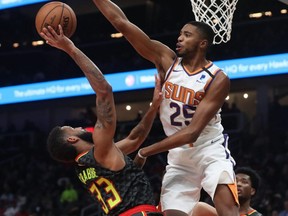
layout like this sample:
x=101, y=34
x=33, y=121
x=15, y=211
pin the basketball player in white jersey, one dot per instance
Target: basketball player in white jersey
x=194, y=90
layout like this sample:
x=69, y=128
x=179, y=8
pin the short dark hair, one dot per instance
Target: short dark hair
x=206, y=31
x=58, y=148
x=254, y=176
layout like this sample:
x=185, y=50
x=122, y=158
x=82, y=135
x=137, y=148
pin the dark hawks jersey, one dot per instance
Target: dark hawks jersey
x=252, y=213
x=114, y=191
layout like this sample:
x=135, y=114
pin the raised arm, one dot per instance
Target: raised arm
x=105, y=126
x=156, y=52
x=140, y=132
x=91, y=71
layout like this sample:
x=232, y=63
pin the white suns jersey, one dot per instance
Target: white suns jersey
x=182, y=92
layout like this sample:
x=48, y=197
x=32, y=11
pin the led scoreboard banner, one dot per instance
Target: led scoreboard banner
x=4, y=4
x=136, y=80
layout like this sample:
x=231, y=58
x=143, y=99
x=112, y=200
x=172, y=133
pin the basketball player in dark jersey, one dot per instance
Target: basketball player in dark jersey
x=248, y=182
x=118, y=186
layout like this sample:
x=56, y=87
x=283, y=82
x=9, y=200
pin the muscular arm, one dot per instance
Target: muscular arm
x=156, y=52
x=105, y=126
x=140, y=132
x=91, y=71
x=105, y=108
x=206, y=110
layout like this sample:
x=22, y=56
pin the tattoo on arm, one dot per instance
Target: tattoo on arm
x=91, y=71
x=104, y=113
x=104, y=106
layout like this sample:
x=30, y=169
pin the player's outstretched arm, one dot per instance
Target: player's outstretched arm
x=140, y=132
x=91, y=71
x=154, y=51
x=105, y=107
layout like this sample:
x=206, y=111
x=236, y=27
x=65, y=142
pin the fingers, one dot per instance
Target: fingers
x=46, y=35
x=157, y=79
x=157, y=82
x=158, y=85
x=54, y=33
x=50, y=35
x=50, y=32
x=43, y=35
x=60, y=30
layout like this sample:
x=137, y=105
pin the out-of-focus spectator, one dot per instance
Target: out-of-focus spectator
x=68, y=199
x=284, y=211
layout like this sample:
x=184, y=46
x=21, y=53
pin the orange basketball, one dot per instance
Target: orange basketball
x=55, y=13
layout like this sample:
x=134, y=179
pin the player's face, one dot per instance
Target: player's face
x=245, y=191
x=86, y=136
x=188, y=41
x=79, y=132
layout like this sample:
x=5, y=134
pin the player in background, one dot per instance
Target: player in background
x=117, y=185
x=248, y=182
x=194, y=90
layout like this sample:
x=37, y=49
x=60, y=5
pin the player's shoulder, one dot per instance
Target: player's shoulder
x=218, y=70
x=256, y=213
x=221, y=77
x=253, y=213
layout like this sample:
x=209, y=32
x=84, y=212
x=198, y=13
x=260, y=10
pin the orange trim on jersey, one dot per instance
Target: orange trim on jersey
x=175, y=63
x=249, y=213
x=198, y=70
x=211, y=78
x=140, y=209
x=233, y=189
x=208, y=83
x=80, y=155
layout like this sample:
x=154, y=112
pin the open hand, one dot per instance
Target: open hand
x=157, y=96
x=54, y=39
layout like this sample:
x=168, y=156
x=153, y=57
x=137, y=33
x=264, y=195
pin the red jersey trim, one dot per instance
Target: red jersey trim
x=140, y=209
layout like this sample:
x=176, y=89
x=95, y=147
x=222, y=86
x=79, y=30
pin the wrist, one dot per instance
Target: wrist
x=140, y=155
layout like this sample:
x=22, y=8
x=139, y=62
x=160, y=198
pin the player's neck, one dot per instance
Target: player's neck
x=245, y=208
x=83, y=147
x=194, y=64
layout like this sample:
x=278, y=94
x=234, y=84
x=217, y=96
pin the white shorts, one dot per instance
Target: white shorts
x=188, y=170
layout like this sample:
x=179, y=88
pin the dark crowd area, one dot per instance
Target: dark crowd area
x=32, y=184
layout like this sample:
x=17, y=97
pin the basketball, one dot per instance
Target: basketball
x=55, y=13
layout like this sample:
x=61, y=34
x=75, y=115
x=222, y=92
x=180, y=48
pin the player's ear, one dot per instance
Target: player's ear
x=204, y=44
x=72, y=139
x=253, y=191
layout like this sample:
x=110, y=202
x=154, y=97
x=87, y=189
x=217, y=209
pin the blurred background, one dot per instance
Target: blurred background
x=255, y=114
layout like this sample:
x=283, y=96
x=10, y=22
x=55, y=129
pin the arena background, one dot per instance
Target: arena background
x=257, y=124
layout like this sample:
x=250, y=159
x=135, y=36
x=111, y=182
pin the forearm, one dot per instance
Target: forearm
x=176, y=140
x=139, y=133
x=143, y=128
x=111, y=11
x=91, y=71
x=188, y=135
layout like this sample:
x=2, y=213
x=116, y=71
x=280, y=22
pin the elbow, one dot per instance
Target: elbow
x=121, y=24
x=134, y=147
x=106, y=89
x=191, y=137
